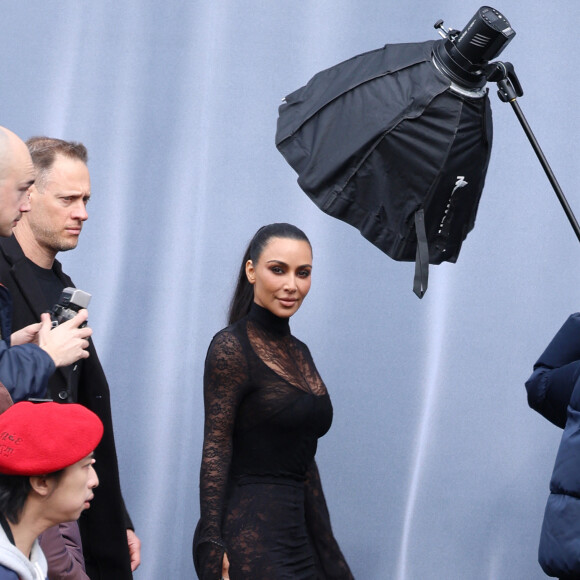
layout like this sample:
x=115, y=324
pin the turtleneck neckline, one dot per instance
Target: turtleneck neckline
x=268, y=320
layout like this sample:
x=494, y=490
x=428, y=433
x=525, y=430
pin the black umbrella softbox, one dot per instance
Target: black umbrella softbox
x=384, y=142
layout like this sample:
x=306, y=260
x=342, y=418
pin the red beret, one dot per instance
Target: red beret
x=39, y=438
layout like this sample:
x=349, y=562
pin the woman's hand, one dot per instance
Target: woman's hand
x=225, y=568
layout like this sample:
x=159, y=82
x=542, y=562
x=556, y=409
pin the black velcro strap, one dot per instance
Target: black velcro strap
x=422, y=257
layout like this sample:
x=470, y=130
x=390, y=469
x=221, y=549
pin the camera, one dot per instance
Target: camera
x=71, y=301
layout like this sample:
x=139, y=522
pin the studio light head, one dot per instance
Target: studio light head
x=462, y=56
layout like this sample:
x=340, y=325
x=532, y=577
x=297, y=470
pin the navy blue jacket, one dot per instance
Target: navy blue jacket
x=24, y=369
x=7, y=574
x=554, y=391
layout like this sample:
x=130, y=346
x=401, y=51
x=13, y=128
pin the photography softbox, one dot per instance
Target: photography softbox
x=383, y=142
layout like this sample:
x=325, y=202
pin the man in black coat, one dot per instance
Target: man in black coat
x=28, y=267
x=29, y=356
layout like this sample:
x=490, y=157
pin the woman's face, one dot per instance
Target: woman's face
x=281, y=278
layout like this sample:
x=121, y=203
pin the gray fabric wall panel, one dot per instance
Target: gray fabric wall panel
x=435, y=467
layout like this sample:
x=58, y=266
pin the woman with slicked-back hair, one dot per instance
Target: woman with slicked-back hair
x=263, y=512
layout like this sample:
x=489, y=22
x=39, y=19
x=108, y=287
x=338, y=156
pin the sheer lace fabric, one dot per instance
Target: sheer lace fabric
x=287, y=358
x=260, y=493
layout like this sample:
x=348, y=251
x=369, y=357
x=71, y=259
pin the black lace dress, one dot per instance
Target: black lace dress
x=260, y=492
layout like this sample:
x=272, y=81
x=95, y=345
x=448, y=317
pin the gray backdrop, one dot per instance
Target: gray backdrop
x=435, y=467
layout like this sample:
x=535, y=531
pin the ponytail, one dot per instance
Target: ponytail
x=243, y=294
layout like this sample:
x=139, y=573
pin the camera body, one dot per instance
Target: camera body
x=71, y=301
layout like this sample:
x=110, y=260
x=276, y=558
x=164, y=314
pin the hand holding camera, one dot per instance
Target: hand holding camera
x=63, y=332
x=67, y=342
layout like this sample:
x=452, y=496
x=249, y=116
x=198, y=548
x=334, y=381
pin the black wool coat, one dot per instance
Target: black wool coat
x=103, y=526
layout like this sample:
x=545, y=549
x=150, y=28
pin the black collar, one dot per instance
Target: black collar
x=268, y=320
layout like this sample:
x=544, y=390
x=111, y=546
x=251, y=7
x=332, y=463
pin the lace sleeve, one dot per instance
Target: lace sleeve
x=330, y=561
x=224, y=377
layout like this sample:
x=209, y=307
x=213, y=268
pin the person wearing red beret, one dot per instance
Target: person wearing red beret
x=47, y=477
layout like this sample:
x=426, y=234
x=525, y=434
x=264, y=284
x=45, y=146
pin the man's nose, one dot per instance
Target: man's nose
x=80, y=211
x=94, y=481
x=25, y=204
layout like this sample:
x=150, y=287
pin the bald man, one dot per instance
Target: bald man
x=16, y=177
x=29, y=357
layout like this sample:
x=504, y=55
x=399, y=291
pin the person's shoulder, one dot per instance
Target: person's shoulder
x=227, y=341
x=226, y=335
x=234, y=329
x=7, y=573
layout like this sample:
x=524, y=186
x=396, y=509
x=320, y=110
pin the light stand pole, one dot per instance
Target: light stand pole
x=509, y=89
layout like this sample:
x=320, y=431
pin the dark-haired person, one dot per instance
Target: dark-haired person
x=30, y=270
x=42, y=481
x=263, y=512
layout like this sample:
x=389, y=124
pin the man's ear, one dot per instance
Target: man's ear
x=42, y=485
x=250, y=272
x=32, y=191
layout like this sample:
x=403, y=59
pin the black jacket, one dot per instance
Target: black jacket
x=103, y=527
x=554, y=391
